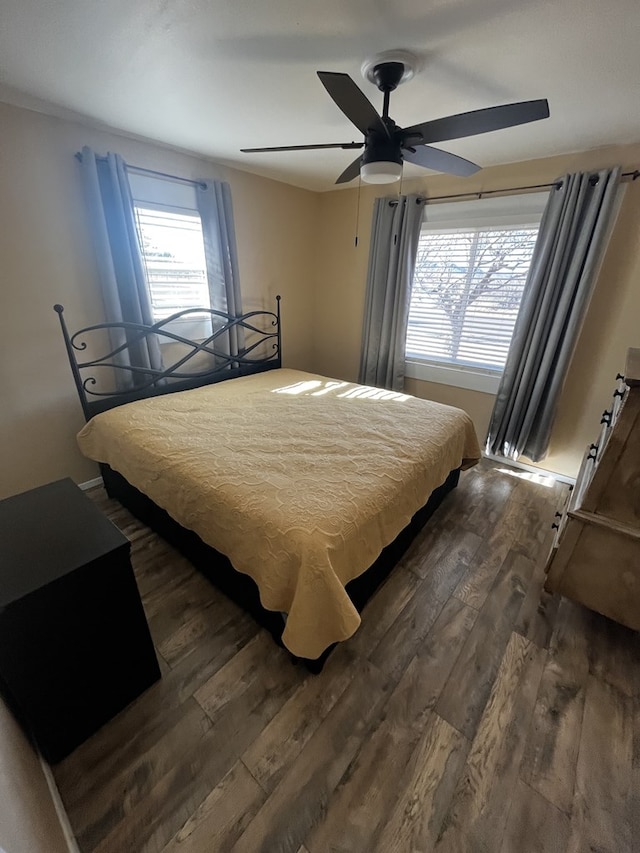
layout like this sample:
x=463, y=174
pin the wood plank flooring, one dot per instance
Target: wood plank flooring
x=470, y=712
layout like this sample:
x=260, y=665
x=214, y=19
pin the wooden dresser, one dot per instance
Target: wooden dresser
x=595, y=558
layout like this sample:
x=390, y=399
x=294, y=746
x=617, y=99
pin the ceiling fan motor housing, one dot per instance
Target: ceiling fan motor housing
x=380, y=148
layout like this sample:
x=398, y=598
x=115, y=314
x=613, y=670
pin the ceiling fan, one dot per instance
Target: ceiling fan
x=387, y=146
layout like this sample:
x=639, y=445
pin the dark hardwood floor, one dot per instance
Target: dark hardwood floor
x=470, y=712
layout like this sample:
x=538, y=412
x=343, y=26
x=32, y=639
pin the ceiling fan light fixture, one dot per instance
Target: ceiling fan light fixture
x=381, y=172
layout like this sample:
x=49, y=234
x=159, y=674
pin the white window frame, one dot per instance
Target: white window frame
x=523, y=210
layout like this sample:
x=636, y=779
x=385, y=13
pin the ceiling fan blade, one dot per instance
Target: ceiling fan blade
x=440, y=161
x=352, y=171
x=353, y=102
x=477, y=121
x=304, y=147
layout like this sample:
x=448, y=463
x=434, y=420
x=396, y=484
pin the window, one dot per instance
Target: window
x=172, y=246
x=471, y=269
x=173, y=253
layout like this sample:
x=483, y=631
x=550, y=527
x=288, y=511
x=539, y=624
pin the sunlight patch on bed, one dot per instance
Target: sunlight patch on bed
x=316, y=388
x=299, y=387
x=330, y=386
x=363, y=392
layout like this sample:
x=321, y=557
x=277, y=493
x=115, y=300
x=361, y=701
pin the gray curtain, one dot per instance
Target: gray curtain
x=120, y=265
x=216, y=212
x=573, y=233
x=394, y=241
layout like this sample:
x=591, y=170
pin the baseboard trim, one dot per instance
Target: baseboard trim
x=63, y=818
x=90, y=484
x=531, y=469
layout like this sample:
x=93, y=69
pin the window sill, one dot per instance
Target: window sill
x=458, y=377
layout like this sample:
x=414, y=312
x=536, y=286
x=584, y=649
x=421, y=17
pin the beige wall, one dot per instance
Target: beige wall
x=47, y=257
x=28, y=819
x=611, y=325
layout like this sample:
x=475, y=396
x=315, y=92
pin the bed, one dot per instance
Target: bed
x=294, y=493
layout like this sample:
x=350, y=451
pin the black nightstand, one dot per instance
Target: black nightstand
x=75, y=647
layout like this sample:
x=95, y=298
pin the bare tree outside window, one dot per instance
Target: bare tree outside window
x=466, y=293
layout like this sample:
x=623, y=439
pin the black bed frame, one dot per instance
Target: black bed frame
x=260, y=333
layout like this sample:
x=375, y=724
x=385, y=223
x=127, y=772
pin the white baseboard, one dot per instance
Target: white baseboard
x=532, y=469
x=90, y=484
x=63, y=818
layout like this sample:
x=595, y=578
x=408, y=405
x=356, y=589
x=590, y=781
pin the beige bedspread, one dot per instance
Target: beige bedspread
x=300, y=480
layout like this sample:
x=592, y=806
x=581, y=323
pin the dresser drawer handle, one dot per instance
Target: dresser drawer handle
x=606, y=417
x=555, y=526
x=618, y=393
x=619, y=376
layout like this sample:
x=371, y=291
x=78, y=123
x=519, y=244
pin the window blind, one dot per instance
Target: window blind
x=173, y=253
x=471, y=268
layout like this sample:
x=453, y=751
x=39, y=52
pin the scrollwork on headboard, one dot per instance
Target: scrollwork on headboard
x=236, y=346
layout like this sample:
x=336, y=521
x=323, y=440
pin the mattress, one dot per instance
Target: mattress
x=299, y=479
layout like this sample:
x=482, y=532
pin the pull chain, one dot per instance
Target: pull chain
x=355, y=242
x=395, y=236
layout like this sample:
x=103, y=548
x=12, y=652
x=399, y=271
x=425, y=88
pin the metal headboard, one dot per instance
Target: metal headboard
x=261, y=351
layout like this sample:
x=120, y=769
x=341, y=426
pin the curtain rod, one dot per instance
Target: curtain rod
x=144, y=171
x=479, y=193
x=631, y=176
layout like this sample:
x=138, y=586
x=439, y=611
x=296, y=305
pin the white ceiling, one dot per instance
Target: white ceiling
x=214, y=76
